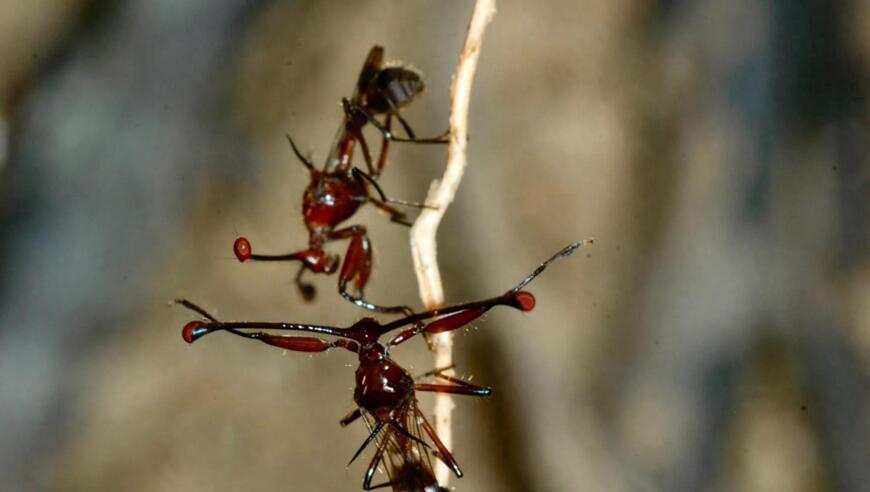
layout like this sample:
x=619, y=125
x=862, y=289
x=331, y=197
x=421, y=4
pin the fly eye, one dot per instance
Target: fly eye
x=242, y=249
x=193, y=331
x=525, y=301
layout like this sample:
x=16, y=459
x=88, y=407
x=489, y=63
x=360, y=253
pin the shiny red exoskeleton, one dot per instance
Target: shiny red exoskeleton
x=385, y=393
x=405, y=457
x=339, y=189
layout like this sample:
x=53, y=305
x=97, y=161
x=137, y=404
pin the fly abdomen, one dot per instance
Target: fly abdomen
x=393, y=88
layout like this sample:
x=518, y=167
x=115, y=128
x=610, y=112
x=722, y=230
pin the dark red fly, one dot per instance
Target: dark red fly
x=339, y=189
x=385, y=393
x=406, y=459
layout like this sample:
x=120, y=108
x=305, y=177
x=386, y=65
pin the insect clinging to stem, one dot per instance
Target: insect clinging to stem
x=385, y=393
x=339, y=189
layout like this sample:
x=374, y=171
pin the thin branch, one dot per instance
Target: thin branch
x=441, y=193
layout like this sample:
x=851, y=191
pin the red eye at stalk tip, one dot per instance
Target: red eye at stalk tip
x=193, y=331
x=242, y=248
x=525, y=300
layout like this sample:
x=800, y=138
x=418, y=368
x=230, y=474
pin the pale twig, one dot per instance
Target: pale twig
x=441, y=193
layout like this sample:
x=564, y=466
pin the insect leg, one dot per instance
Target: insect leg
x=372, y=435
x=459, y=386
x=367, y=154
x=433, y=372
x=350, y=417
x=357, y=267
x=383, y=203
x=373, y=466
x=354, y=108
x=366, y=179
x=385, y=146
x=404, y=124
x=443, y=453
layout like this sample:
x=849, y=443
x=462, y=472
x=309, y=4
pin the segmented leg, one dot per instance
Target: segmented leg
x=351, y=417
x=404, y=124
x=356, y=269
x=373, y=466
x=383, y=203
x=459, y=386
x=372, y=435
x=395, y=214
x=443, y=452
x=367, y=154
x=353, y=108
x=385, y=146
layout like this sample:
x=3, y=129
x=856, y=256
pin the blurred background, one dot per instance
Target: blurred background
x=715, y=337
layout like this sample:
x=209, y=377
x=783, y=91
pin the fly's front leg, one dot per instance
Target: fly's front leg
x=357, y=264
x=357, y=268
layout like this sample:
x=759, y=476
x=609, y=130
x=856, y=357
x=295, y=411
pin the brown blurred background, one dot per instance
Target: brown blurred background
x=716, y=337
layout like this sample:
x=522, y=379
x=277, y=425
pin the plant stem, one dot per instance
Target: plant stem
x=441, y=193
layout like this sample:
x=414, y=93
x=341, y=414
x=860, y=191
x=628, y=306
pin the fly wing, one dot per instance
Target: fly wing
x=407, y=462
x=394, y=87
x=341, y=150
x=343, y=143
x=373, y=64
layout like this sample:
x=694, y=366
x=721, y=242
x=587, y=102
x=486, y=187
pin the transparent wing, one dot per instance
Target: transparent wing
x=407, y=463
